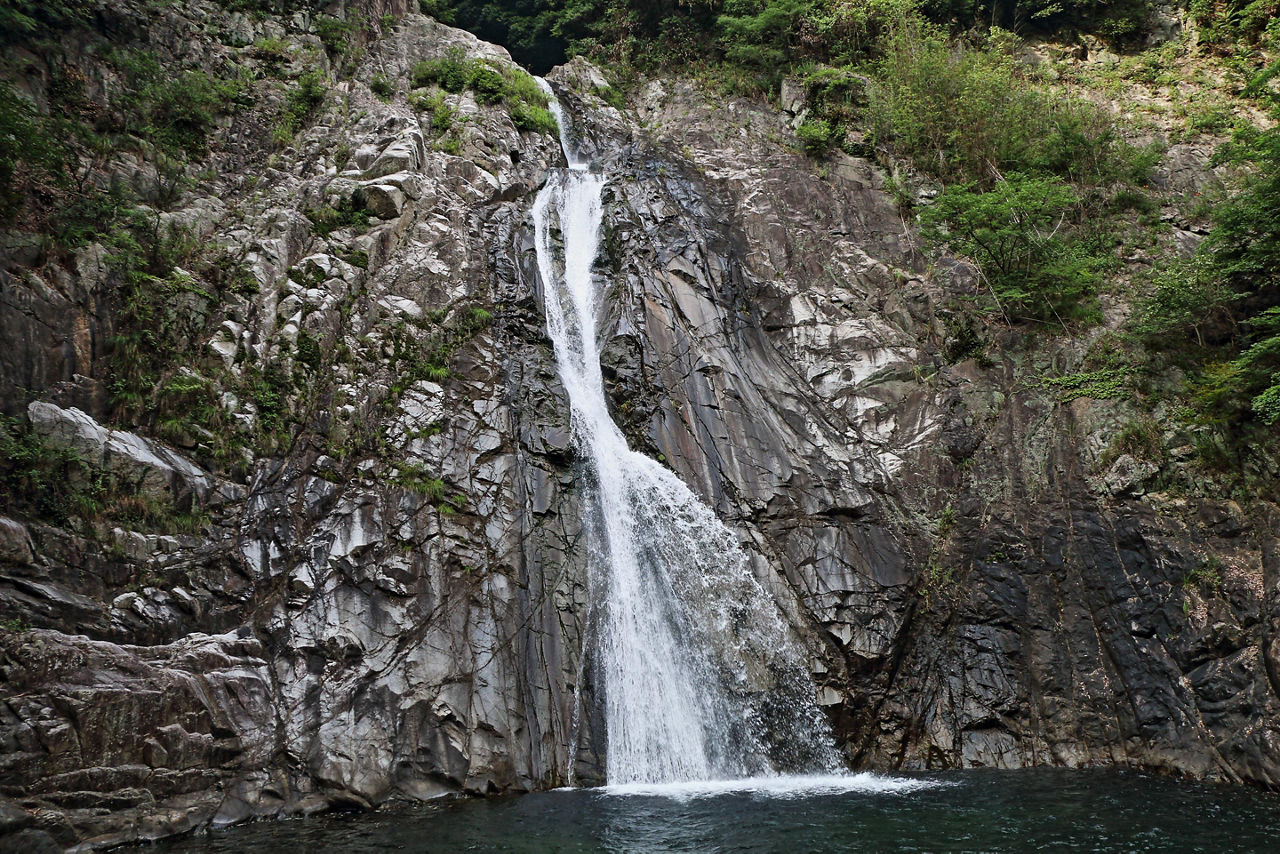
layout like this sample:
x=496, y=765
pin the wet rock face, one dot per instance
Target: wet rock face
x=391, y=602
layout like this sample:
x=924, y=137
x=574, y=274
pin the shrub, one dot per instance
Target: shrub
x=438, y=9
x=493, y=84
x=816, y=136
x=27, y=150
x=762, y=33
x=335, y=33
x=269, y=389
x=53, y=483
x=835, y=94
x=1228, y=295
x=612, y=96
x=174, y=111
x=488, y=84
x=1018, y=234
x=1189, y=298
x=308, y=349
x=530, y=117
x=451, y=72
x=1258, y=367
x=328, y=219
x=963, y=114
x=1226, y=21
x=380, y=84
x=185, y=109
x=22, y=19
x=271, y=50
x=302, y=100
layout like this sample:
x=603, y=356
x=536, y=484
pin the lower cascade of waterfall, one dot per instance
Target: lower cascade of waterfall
x=700, y=678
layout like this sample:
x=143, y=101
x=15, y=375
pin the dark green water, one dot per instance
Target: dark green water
x=1031, y=810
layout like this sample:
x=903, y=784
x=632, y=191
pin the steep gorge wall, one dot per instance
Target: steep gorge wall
x=995, y=585
x=389, y=599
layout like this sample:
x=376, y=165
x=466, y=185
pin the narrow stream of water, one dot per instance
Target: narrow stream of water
x=700, y=679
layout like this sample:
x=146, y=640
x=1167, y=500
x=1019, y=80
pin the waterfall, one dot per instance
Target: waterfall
x=700, y=678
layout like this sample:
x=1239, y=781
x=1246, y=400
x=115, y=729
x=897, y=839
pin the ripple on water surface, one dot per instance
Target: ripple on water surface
x=1015, y=811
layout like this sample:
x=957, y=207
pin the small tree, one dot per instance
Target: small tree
x=762, y=33
x=1019, y=236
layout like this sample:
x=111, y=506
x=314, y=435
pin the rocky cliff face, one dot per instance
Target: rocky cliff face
x=384, y=594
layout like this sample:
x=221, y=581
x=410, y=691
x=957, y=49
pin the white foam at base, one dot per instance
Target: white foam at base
x=776, y=787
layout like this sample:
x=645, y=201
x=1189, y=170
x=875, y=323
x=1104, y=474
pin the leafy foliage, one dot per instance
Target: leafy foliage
x=27, y=152
x=766, y=36
x=492, y=84
x=961, y=113
x=1228, y=298
x=1015, y=233
x=328, y=219
x=1257, y=369
x=54, y=483
x=302, y=101
x=816, y=136
x=762, y=33
x=21, y=19
x=1225, y=22
x=1188, y=298
x=58, y=485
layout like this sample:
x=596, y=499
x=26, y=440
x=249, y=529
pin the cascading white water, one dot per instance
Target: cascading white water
x=700, y=679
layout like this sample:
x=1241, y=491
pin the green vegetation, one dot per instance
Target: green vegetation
x=303, y=99
x=343, y=38
x=1036, y=179
x=381, y=85
x=271, y=50
x=967, y=114
x=28, y=157
x=336, y=33
x=1140, y=439
x=492, y=84
x=1230, y=24
x=1014, y=233
x=50, y=482
x=169, y=115
x=1207, y=575
x=1218, y=314
x=418, y=479
x=1102, y=384
x=763, y=35
x=308, y=350
x=816, y=136
x=328, y=219
x=269, y=389
x=174, y=112
x=1036, y=186
x=160, y=285
x=429, y=360
x=56, y=484
x=1042, y=190
x=25, y=19
x=443, y=116
x=156, y=307
x=767, y=36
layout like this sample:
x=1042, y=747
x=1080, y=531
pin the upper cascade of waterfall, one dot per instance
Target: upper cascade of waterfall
x=575, y=162
x=700, y=677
